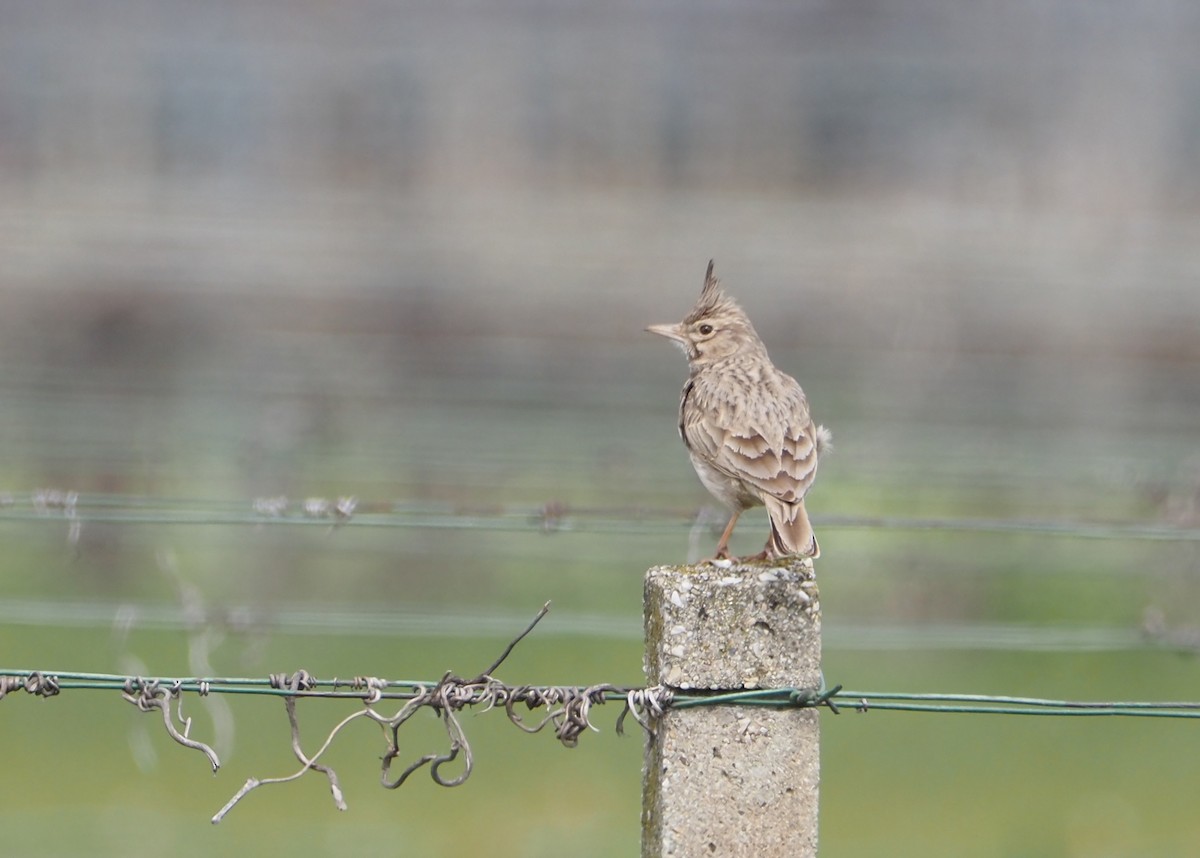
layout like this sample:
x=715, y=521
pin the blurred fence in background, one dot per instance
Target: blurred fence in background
x=258, y=235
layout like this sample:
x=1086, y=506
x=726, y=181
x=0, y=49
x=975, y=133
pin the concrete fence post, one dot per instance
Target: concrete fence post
x=732, y=779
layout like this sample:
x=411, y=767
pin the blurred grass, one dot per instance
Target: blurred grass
x=922, y=784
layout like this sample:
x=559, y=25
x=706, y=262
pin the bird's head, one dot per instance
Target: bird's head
x=716, y=328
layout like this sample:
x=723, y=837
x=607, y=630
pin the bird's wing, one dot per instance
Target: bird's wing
x=771, y=446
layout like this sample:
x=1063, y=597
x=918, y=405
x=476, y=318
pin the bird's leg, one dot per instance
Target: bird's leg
x=768, y=553
x=723, y=542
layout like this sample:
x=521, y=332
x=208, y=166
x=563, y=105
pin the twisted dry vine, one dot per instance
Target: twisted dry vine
x=566, y=711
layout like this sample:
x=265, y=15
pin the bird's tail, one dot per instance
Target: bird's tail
x=824, y=441
x=791, y=531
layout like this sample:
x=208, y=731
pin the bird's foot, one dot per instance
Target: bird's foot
x=724, y=558
x=721, y=557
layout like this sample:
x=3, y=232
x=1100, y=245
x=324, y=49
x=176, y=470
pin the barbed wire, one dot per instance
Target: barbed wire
x=551, y=517
x=567, y=708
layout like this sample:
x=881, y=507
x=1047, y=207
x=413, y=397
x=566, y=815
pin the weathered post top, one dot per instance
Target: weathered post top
x=732, y=779
x=727, y=628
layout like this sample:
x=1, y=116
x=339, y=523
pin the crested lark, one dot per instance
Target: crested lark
x=746, y=424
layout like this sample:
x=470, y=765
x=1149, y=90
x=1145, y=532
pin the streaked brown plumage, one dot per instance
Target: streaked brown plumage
x=746, y=424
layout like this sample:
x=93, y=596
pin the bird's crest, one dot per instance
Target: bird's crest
x=712, y=301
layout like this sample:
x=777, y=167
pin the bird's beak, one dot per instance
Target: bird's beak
x=671, y=332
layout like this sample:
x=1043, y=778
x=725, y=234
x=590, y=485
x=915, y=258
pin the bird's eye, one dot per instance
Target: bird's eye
x=706, y=329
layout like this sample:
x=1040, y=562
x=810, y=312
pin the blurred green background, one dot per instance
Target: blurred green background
x=404, y=251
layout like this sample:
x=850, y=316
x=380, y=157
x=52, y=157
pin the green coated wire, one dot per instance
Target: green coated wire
x=984, y=704
x=961, y=709
x=1034, y=702
x=835, y=699
x=777, y=697
x=65, y=680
